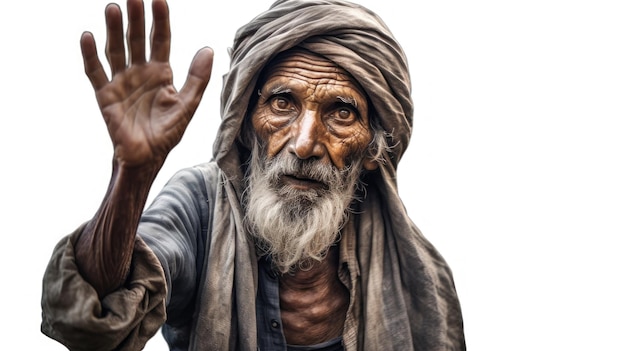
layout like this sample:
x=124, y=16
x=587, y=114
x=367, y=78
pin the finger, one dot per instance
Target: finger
x=93, y=66
x=115, y=39
x=197, y=79
x=136, y=32
x=161, y=35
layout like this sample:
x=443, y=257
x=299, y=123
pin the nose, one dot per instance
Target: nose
x=305, y=142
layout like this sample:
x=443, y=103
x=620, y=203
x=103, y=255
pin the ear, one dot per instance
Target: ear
x=370, y=164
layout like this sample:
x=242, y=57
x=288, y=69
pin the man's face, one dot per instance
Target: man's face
x=312, y=109
x=311, y=122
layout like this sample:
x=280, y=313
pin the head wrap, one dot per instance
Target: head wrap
x=406, y=291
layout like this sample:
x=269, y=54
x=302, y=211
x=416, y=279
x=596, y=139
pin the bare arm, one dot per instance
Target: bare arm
x=146, y=118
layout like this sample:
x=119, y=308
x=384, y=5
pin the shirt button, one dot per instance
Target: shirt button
x=274, y=323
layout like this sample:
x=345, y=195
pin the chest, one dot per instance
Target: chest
x=315, y=314
x=298, y=315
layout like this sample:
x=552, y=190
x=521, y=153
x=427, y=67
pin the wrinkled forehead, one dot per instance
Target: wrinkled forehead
x=298, y=59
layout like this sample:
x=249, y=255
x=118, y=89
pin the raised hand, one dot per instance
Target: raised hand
x=145, y=115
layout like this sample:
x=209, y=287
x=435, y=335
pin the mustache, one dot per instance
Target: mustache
x=286, y=164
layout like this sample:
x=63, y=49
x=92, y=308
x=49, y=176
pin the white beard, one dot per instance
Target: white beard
x=296, y=227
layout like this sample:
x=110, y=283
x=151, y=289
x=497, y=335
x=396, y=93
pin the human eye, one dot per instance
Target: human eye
x=344, y=115
x=281, y=103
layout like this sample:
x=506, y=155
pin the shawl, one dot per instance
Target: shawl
x=407, y=296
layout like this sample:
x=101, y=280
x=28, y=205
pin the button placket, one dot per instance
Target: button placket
x=270, y=331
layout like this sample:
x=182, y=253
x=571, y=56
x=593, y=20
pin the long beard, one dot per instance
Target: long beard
x=296, y=227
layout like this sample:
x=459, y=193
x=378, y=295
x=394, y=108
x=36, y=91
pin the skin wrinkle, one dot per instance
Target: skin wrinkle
x=337, y=141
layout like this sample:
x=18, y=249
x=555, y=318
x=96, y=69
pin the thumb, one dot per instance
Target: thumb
x=197, y=78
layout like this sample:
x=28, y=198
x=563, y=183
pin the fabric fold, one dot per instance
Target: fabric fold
x=73, y=314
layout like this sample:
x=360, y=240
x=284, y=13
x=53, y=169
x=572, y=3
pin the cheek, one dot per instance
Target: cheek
x=350, y=147
x=276, y=143
x=270, y=131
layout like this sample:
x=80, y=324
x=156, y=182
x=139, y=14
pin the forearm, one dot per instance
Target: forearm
x=104, y=248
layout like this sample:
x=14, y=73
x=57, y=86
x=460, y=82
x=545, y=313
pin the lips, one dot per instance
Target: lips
x=301, y=182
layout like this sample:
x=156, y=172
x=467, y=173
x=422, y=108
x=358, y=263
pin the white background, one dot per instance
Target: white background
x=516, y=170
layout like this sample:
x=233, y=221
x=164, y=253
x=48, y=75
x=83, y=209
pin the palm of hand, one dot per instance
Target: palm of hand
x=143, y=112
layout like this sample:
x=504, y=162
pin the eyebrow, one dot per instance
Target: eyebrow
x=280, y=90
x=277, y=90
x=348, y=100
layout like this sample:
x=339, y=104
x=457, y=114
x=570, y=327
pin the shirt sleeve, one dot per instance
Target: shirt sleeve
x=167, y=258
x=175, y=228
x=73, y=314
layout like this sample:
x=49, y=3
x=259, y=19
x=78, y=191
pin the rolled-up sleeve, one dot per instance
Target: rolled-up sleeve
x=162, y=283
x=73, y=314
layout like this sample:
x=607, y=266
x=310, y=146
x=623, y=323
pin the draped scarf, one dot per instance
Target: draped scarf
x=407, y=295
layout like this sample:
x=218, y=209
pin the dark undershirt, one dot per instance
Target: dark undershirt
x=330, y=345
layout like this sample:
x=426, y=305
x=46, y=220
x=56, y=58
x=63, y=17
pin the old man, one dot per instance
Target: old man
x=293, y=237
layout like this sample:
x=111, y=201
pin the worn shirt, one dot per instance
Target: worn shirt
x=176, y=226
x=185, y=201
x=175, y=229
